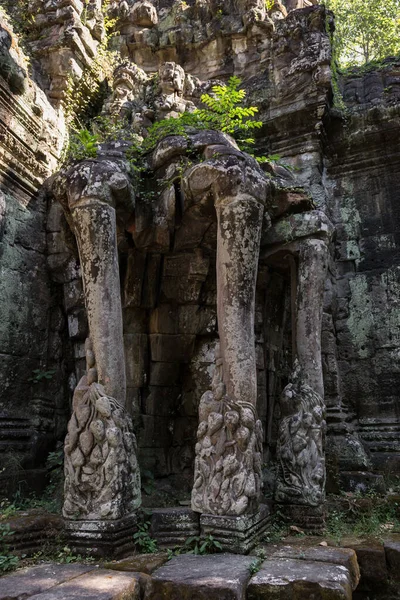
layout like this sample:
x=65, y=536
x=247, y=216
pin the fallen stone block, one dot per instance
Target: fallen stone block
x=327, y=554
x=290, y=579
x=210, y=577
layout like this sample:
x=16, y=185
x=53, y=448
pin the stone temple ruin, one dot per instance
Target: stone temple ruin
x=230, y=327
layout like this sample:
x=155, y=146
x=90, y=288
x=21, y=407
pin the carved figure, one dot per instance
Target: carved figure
x=170, y=102
x=102, y=479
x=300, y=450
x=227, y=479
x=127, y=102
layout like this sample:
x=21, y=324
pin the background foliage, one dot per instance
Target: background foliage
x=365, y=30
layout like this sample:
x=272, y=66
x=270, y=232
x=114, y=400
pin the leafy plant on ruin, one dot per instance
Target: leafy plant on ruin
x=197, y=544
x=40, y=375
x=143, y=540
x=255, y=566
x=222, y=110
x=8, y=561
x=82, y=144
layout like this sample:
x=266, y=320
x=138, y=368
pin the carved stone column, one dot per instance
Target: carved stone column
x=312, y=269
x=238, y=244
x=229, y=448
x=300, y=484
x=96, y=234
x=94, y=194
x=102, y=480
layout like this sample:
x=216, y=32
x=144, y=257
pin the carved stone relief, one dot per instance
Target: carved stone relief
x=102, y=479
x=300, y=450
x=227, y=479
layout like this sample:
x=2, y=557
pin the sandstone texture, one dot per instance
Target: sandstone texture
x=195, y=281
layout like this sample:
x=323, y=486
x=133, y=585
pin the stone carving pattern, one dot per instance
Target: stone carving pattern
x=227, y=479
x=300, y=450
x=102, y=479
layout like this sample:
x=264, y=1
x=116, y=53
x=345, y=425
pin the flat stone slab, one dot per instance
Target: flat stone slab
x=99, y=584
x=338, y=556
x=291, y=579
x=34, y=580
x=140, y=563
x=210, y=577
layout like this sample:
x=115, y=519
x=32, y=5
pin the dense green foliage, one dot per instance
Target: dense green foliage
x=365, y=31
x=223, y=111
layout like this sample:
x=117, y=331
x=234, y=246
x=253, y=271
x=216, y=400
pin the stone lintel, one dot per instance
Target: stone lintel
x=236, y=534
x=111, y=539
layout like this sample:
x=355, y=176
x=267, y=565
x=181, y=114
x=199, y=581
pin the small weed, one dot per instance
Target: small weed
x=8, y=561
x=66, y=556
x=39, y=375
x=176, y=551
x=83, y=144
x=143, y=540
x=255, y=566
x=202, y=545
x=7, y=509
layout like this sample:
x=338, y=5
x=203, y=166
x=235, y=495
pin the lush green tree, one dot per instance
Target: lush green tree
x=366, y=30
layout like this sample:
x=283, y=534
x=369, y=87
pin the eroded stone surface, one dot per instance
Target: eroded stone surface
x=139, y=563
x=35, y=580
x=338, y=556
x=300, y=450
x=219, y=577
x=288, y=578
x=100, y=584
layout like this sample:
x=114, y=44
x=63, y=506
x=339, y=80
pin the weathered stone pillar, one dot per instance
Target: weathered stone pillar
x=102, y=480
x=300, y=484
x=312, y=269
x=238, y=245
x=229, y=448
x=96, y=234
x=227, y=479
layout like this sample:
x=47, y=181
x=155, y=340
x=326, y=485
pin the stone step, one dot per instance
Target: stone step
x=297, y=579
x=288, y=573
x=70, y=582
x=99, y=584
x=345, y=557
x=209, y=577
x=35, y=580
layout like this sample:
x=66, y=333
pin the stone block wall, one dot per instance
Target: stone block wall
x=349, y=167
x=33, y=408
x=363, y=184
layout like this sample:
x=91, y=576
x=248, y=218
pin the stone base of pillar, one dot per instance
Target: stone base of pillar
x=173, y=526
x=236, y=534
x=308, y=518
x=110, y=539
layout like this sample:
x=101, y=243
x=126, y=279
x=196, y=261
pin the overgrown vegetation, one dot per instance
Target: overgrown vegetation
x=8, y=561
x=197, y=544
x=223, y=110
x=362, y=515
x=143, y=541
